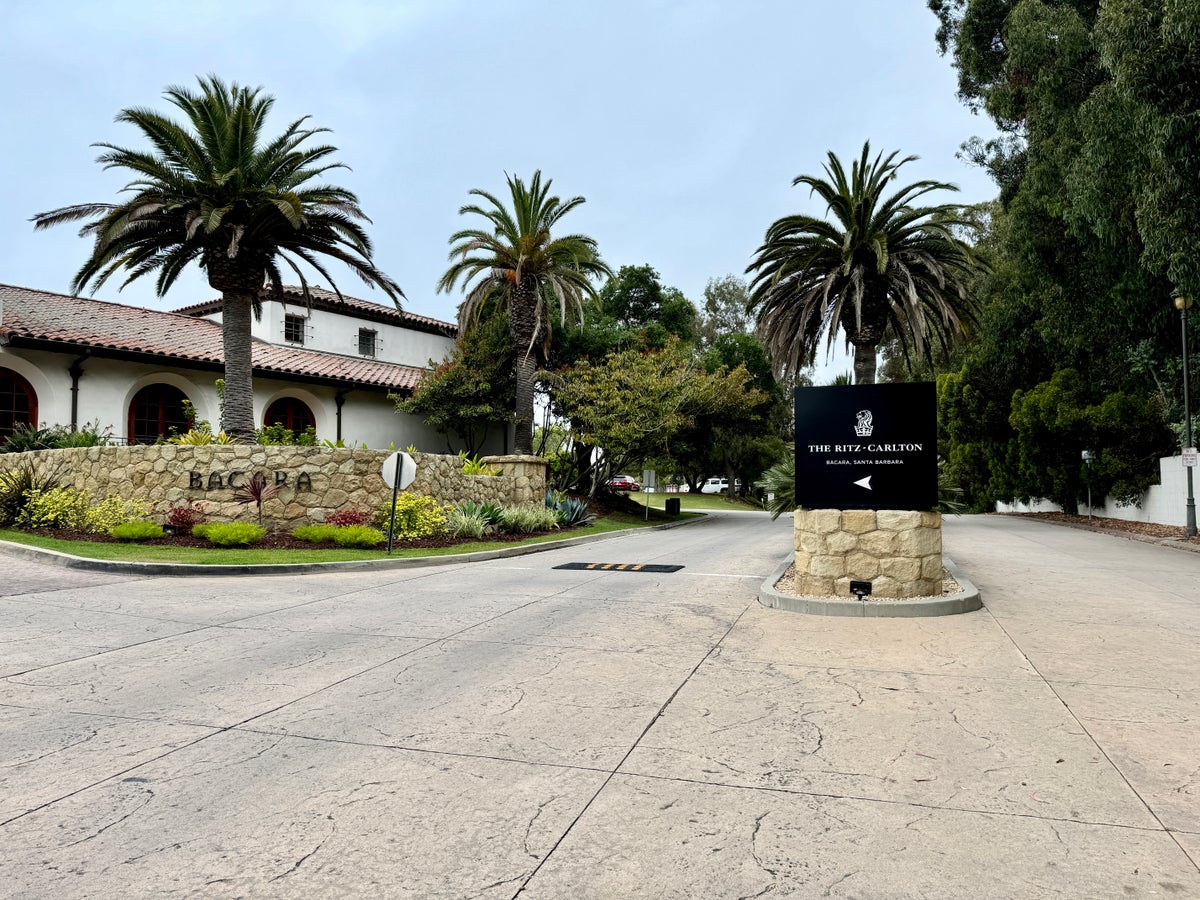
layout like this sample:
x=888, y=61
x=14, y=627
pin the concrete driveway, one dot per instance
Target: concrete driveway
x=507, y=728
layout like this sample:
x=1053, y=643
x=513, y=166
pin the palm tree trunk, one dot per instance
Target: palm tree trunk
x=237, y=418
x=864, y=363
x=522, y=324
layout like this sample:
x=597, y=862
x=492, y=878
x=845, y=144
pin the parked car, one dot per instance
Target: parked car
x=718, y=486
x=623, y=483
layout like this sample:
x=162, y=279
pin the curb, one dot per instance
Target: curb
x=67, y=561
x=966, y=600
x=1172, y=542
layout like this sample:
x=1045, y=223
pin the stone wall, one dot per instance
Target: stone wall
x=312, y=481
x=899, y=552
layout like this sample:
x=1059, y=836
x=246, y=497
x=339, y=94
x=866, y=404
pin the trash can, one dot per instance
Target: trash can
x=672, y=506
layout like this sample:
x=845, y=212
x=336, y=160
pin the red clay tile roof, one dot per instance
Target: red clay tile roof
x=328, y=300
x=69, y=324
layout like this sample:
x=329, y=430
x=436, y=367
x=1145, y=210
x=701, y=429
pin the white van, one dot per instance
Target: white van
x=715, y=486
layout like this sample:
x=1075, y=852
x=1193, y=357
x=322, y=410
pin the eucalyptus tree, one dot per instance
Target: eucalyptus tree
x=218, y=191
x=513, y=263
x=878, y=261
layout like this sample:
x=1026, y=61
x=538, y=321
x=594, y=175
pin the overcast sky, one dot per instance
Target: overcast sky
x=683, y=122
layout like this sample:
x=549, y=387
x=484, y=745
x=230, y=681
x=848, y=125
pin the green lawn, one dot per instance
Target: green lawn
x=250, y=556
x=692, y=501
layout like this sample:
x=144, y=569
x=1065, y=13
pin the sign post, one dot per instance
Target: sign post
x=867, y=446
x=398, y=470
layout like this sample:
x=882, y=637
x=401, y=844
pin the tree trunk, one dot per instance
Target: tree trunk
x=864, y=363
x=239, y=280
x=522, y=324
x=237, y=418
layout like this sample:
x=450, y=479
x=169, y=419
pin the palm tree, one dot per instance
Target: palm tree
x=514, y=263
x=219, y=192
x=880, y=263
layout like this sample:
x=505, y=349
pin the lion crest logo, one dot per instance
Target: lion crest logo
x=865, y=424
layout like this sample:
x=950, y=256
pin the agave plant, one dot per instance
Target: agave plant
x=570, y=510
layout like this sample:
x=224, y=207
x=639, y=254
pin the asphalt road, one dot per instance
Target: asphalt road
x=506, y=728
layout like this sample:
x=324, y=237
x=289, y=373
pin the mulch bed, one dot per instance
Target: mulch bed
x=279, y=540
x=1150, y=530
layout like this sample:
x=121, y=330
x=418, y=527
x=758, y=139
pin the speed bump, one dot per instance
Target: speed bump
x=619, y=567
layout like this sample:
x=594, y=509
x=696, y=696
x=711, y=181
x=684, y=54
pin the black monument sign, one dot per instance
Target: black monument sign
x=867, y=446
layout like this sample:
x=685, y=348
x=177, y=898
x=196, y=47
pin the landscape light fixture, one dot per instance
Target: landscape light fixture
x=860, y=589
x=1183, y=304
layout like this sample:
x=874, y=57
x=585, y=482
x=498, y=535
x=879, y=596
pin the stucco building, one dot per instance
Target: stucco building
x=68, y=360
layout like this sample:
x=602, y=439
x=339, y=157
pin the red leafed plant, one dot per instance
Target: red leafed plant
x=346, y=517
x=186, y=514
x=257, y=491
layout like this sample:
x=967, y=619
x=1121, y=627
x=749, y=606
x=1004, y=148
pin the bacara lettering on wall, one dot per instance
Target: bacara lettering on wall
x=235, y=479
x=867, y=446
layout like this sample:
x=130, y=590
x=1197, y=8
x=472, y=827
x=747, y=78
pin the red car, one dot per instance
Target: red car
x=623, y=483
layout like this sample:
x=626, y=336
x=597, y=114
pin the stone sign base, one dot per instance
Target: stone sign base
x=898, y=551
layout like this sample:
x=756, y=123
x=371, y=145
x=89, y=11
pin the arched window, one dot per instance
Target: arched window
x=291, y=413
x=154, y=411
x=18, y=403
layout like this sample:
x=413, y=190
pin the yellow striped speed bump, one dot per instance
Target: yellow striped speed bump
x=619, y=567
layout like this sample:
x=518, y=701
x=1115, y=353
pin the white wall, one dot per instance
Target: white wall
x=107, y=387
x=1164, y=503
x=335, y=332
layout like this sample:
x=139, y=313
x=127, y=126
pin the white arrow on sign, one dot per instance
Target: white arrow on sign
x=864, y=482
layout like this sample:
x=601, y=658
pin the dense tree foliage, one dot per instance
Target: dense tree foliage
x=1098, y=166
x=634, y=403
x=634, y=309
x=726, y=308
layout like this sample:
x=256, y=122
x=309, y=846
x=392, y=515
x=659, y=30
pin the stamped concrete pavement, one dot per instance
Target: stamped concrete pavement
x=507, y=728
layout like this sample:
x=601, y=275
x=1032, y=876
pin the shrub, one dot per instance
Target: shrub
x=86, y=435
x=529, y=519
x=317, y=534
x=358, y=536
x=136, y=531
x=186, y=514
x=232, y=534
x=472, y=465
x=468, y=523
x=346, y=517
x=29, y=437
x=60, y=507
x=54, y=437
x=780, y=481
x=200, y=529
x=280, y=435
x=417, y=517
x=17, y=484
x=113, y=511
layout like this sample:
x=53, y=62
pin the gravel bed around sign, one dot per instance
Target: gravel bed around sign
x=787, y=585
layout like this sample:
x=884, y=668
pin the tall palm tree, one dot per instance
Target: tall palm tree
x=879, y=262
x=514, y=263
x=218, y=191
